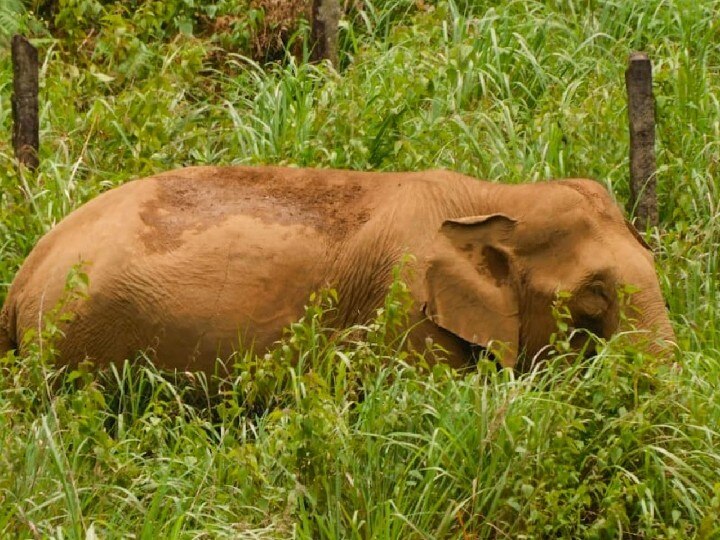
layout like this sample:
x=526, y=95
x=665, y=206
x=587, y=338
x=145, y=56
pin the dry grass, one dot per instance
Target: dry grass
x=281, y=20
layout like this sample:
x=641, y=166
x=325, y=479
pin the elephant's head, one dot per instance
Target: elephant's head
x=493, y=278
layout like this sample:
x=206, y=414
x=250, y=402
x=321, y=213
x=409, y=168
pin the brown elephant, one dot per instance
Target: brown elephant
x=190, y=263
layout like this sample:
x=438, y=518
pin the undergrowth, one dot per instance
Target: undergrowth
x=333, y=436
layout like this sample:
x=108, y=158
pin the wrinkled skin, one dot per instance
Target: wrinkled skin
x=190, y=263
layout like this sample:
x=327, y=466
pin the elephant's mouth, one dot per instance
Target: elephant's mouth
x=478, y=353
x=584, y=343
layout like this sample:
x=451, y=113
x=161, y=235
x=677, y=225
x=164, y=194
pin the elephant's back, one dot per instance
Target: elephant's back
x=330, y=203
x=162, y=214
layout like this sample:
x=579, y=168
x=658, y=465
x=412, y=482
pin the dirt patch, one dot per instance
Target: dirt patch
x=195, y=199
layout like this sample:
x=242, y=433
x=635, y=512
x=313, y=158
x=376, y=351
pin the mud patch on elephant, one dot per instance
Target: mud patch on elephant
x=193, y=200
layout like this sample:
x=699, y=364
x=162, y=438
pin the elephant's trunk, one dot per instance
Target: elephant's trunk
x=665, y=342
x=650, y=326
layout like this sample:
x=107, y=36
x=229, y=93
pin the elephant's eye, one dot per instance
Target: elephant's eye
x=598, y=288
x=592, y=300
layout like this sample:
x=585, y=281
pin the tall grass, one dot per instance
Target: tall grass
x=328, y=437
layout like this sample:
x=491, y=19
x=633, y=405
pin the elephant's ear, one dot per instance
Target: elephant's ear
x=471, y=289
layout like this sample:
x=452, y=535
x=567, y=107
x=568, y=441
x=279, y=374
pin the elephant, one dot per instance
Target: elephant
x=188, y=264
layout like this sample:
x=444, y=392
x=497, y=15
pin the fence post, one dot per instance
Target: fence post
x=325, y=21
x=641, y=113
x=25, y=137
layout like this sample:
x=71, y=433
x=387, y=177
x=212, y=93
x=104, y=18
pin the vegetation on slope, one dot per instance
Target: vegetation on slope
x=331, y=437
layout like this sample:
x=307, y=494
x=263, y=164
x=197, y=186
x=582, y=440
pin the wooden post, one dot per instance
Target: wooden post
x=641, y=113
x=25, y=137
x=325, y=21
